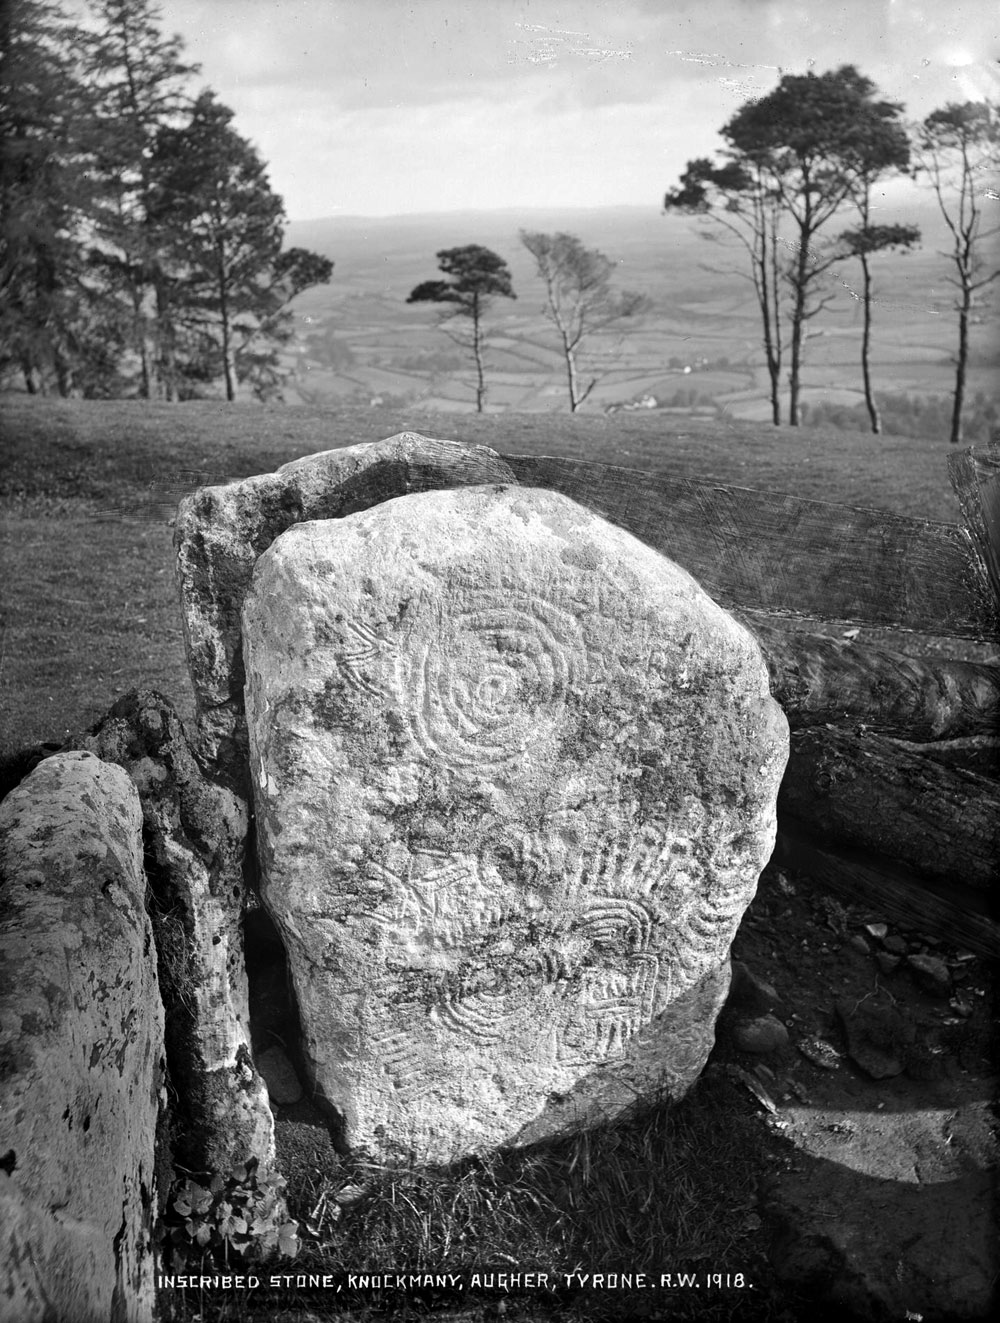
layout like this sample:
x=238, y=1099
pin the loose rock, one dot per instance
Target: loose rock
x=749, y=993
x=877, y=1038
x=931, y=974
x=282, y=1082
x=820, y=1053
x=887, y=963
x=764, y=1035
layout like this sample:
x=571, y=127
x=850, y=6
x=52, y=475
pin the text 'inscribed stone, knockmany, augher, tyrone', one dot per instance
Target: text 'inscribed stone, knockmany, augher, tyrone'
x=515, y=779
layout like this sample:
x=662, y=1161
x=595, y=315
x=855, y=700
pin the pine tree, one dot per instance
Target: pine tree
x=737, y=196
x=476, y=275
x=808, y=139
x=224, y=281
x=880, y=146
x=44, y=191
x=140, y=81
x=861, y=242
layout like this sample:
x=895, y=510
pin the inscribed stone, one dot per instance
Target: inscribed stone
x=515, y=779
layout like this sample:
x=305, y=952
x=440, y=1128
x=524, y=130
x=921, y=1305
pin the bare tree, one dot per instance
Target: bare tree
x=861, y=243
x=737, y=197
x=578, y=297
x=881, y=146
x=955, y=147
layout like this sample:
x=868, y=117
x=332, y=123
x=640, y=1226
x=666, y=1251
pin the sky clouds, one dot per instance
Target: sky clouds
x=384, y=106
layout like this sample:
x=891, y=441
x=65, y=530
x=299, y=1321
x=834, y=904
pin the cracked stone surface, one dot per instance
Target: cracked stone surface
x=81, y=1048
x=515, y=778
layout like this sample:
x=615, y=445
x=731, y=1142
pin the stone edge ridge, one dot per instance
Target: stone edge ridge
x=221, y=531
x=71, y=866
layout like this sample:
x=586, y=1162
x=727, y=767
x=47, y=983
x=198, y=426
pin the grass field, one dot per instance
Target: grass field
x=90, y=610
x=87, y=491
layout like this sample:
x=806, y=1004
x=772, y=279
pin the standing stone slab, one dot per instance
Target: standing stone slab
x=81, y=1048
x=515, y=780
x=222, y=530
x=195, y=842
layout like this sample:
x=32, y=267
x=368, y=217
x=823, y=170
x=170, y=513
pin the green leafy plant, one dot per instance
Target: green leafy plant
x=244, y=1213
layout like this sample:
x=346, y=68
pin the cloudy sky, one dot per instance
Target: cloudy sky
x=379, y=107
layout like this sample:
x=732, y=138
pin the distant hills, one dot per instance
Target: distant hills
x=358, y=340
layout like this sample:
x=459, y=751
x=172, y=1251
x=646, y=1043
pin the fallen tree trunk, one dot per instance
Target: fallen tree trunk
x=973, y=753
x=818, y=680
x=952, y=914
x=871, y=792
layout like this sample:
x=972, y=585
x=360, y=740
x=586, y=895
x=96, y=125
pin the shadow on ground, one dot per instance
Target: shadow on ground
x=868, y=1131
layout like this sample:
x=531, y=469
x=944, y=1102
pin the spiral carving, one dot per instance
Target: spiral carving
x=474, y=694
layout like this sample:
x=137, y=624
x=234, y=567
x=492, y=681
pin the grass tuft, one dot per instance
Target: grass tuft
x=672, y=1188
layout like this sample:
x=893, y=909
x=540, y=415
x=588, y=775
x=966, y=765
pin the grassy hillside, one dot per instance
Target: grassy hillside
x=87, y=491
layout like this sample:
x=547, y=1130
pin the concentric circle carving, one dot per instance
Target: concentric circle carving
x=474, y=694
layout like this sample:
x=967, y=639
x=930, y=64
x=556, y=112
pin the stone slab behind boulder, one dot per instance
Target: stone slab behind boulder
x=196, y=839
x=515, y=779
x=81, y=1048
x=221, y=531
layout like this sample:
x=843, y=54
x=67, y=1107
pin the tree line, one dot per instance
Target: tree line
x=579, y=299
x=795, y=161
x=141, y=244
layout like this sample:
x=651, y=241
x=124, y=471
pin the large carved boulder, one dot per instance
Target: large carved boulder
x=515, y=780
x=81, y=1048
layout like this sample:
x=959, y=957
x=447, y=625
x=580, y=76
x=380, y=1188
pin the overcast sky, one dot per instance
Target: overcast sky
x=378, y=107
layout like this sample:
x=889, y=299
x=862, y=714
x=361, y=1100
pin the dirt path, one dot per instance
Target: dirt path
x=883, y=1097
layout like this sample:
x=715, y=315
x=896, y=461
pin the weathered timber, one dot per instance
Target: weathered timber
x=975, y=475
x=819, y=680
x=971, y=753
x=870, y=792
x=784, y=555
x=892, y=891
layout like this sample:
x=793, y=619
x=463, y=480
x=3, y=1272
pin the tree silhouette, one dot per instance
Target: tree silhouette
x=45, y=187
x=476, y=275
x=578, y=297
x=956, y=146
x=812, y=139
x=219, y=230
x=139, y=80
x=880, y=146
x=861, y=242
x=737, y=197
